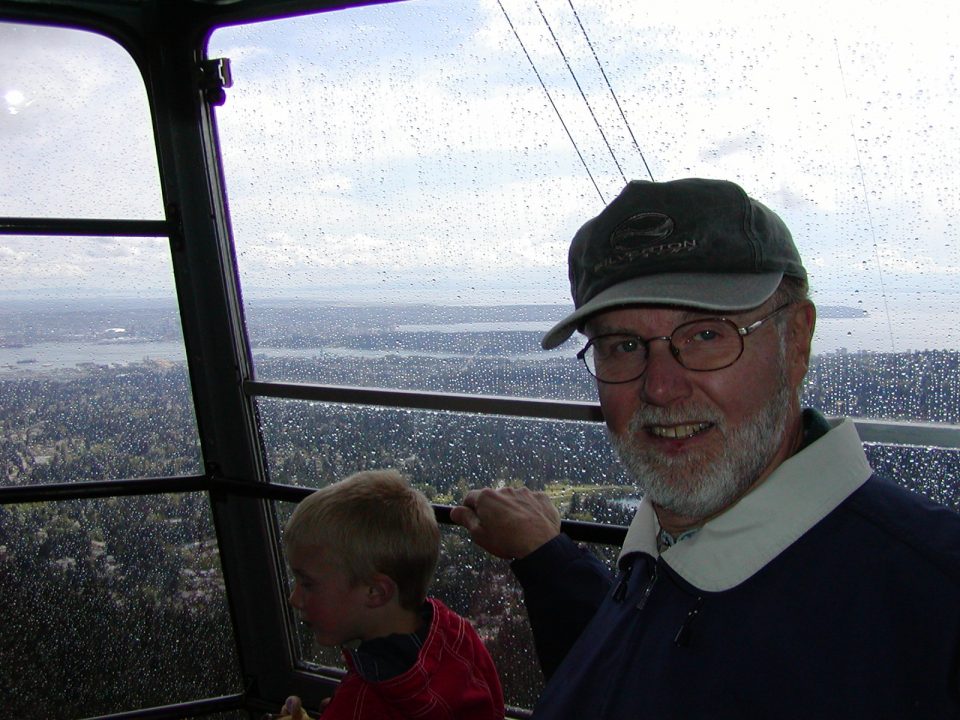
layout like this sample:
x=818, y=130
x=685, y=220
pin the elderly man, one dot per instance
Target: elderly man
x=767, y=573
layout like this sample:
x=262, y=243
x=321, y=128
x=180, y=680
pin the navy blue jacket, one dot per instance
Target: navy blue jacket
x=858, y=618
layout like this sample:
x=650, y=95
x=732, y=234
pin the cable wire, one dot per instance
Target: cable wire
x=866, y=200
x=582, y=93
x=552, y=104
x=610, y=87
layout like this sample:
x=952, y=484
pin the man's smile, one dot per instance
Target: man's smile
x=678, y=432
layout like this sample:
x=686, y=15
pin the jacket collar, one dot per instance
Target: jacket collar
x=737, y=544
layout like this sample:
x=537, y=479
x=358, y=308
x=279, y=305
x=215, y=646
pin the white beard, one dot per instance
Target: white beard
x=694, y=484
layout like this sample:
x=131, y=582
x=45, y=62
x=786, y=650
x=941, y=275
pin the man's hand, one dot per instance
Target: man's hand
x=510, y=522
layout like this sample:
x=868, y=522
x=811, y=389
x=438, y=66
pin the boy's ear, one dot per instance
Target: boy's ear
x=381, y=589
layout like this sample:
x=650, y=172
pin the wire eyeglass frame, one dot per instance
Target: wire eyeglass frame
x=589, y=362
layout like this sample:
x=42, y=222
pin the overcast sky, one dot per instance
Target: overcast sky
x=409, y=152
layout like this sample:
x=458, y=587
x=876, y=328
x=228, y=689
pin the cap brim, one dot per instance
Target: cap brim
x=722, y=292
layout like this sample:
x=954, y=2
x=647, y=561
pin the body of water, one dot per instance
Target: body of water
x=892, y=325
x=48, y=357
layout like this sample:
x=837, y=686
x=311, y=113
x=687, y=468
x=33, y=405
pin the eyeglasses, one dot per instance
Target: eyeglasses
x=699, y=345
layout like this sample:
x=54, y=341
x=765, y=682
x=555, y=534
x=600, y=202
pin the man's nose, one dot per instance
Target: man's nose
x=294, y=598
x=665, y=380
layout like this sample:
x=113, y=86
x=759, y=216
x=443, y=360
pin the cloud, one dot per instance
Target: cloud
x=131, y=266
x=413, y=138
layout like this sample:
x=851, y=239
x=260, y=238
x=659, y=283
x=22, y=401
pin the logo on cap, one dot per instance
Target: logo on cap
x=642, y=236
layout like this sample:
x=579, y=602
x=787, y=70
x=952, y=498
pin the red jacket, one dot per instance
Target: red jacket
x=453, y=679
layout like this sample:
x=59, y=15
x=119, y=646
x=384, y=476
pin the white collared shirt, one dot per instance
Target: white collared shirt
x=739, y=542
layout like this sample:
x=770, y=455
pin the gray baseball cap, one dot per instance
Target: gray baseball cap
x=694, y=243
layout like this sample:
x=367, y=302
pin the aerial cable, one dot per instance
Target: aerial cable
x=610, y=87
x=582, y=94
x=866, y=201
x=557, y=111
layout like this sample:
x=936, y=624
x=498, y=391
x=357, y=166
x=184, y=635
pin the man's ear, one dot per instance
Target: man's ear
x=803, y=321
x=381, y=589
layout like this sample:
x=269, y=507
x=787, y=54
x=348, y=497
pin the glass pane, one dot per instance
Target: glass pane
x=93, y=378
x=405, y=179
x=447, y=454
x=459, y=350
x=929, y=471
x=134, y=612
x=481, y=588
x=920, y=386
x=102, y=268
x=78, y=141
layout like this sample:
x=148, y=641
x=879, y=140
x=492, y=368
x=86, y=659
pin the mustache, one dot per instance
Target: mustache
x=648, y=415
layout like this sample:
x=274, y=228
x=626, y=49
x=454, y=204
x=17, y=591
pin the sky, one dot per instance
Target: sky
x=410, y=153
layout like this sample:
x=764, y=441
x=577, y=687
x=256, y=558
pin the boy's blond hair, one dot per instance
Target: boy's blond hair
x=372, y=522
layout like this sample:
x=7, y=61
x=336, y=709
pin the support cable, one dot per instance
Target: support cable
x=866, y=200
x=582, y=93
x=552, y=104
x=612, y=93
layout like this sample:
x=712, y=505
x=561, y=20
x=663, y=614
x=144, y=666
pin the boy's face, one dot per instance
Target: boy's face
x=322, y=594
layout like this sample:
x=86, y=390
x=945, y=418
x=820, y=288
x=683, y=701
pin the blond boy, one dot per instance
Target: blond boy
x=363, y=552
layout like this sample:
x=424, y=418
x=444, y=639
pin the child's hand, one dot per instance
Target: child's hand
x=292, y=710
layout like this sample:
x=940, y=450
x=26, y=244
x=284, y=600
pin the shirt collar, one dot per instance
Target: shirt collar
x=383, y=658
x=735, y=545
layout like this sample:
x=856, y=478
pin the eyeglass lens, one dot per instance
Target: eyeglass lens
x=708, y=344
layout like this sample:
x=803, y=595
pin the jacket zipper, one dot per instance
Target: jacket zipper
x=648, y=588
x=682, y=638
x=621, y=590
